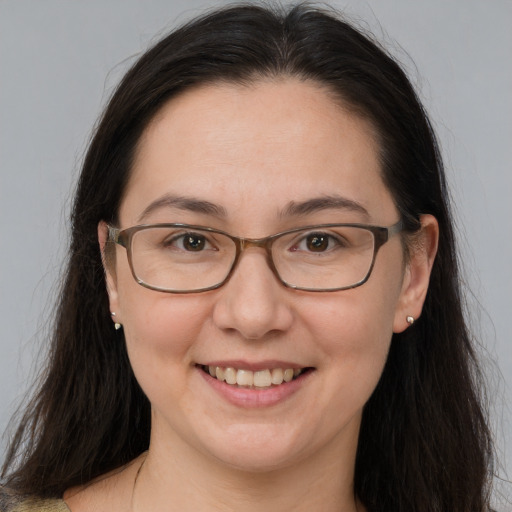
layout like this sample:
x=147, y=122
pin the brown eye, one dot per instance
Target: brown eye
x=194, y=243
x=317, y=242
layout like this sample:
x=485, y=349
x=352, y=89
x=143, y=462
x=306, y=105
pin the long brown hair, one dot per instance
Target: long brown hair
x=424, y=443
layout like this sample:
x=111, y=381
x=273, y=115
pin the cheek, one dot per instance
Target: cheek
x=167, y=326
x=157, y=321
x=160, y=334
x=353, y=322
x=160, y=331
x=356, y=345
x=359, y=343
x=353, y=330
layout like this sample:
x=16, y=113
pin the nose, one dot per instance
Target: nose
x=253, y=302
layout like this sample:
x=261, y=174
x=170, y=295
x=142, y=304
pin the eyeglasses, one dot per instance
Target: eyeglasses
x=182, y=258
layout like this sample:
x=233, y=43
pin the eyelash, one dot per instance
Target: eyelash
x=183, y=236
x=338, y=241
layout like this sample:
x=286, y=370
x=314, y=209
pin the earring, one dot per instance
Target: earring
x=410, y=320
x=117, y=325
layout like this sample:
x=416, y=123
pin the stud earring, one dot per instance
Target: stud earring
x=117, y=325
x=410, y=320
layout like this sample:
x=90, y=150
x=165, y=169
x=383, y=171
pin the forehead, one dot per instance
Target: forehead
x=255, y=149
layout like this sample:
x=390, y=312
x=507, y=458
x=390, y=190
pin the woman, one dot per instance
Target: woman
x=261, y=308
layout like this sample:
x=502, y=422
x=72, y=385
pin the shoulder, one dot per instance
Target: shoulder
x=12, y=502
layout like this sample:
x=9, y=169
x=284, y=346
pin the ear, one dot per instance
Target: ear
x=109, y=269
x=417, y=273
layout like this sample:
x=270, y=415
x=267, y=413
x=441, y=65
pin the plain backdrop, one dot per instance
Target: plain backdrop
x=60, y=59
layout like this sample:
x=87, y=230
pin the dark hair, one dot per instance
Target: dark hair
x=424, y=443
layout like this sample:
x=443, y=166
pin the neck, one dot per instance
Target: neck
x=175, y=476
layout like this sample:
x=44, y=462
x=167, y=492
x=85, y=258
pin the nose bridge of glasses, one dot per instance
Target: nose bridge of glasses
x=245, y=243
x=257, y=243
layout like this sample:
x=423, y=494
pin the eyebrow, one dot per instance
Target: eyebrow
x=190, y=204
x=292, y=209
x=330, y=202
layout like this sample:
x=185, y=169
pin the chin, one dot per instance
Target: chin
x=258, y=449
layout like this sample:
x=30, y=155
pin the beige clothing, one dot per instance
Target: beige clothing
x=11, y=502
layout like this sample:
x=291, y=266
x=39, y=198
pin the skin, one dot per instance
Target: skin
x=253, y=150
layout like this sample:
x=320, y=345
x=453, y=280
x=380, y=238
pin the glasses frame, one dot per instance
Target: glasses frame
x=381, y=235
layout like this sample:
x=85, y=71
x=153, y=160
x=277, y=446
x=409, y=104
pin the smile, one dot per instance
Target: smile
x=253, y=379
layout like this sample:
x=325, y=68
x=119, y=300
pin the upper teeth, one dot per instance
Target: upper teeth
x=259, y=379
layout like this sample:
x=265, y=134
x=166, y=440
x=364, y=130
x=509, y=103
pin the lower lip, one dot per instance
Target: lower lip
x=253, y=397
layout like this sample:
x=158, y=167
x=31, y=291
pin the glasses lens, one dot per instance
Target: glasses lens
x=181, y=258
x=324, y=258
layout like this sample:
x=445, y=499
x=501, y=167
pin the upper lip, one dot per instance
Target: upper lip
x=254, y=366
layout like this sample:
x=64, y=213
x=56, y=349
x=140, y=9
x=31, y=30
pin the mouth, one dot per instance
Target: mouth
x=248, y=379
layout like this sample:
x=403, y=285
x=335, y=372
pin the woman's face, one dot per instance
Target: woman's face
x=254, y=161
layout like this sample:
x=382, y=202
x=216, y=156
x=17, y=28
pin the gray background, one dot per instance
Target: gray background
x=59, y=60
